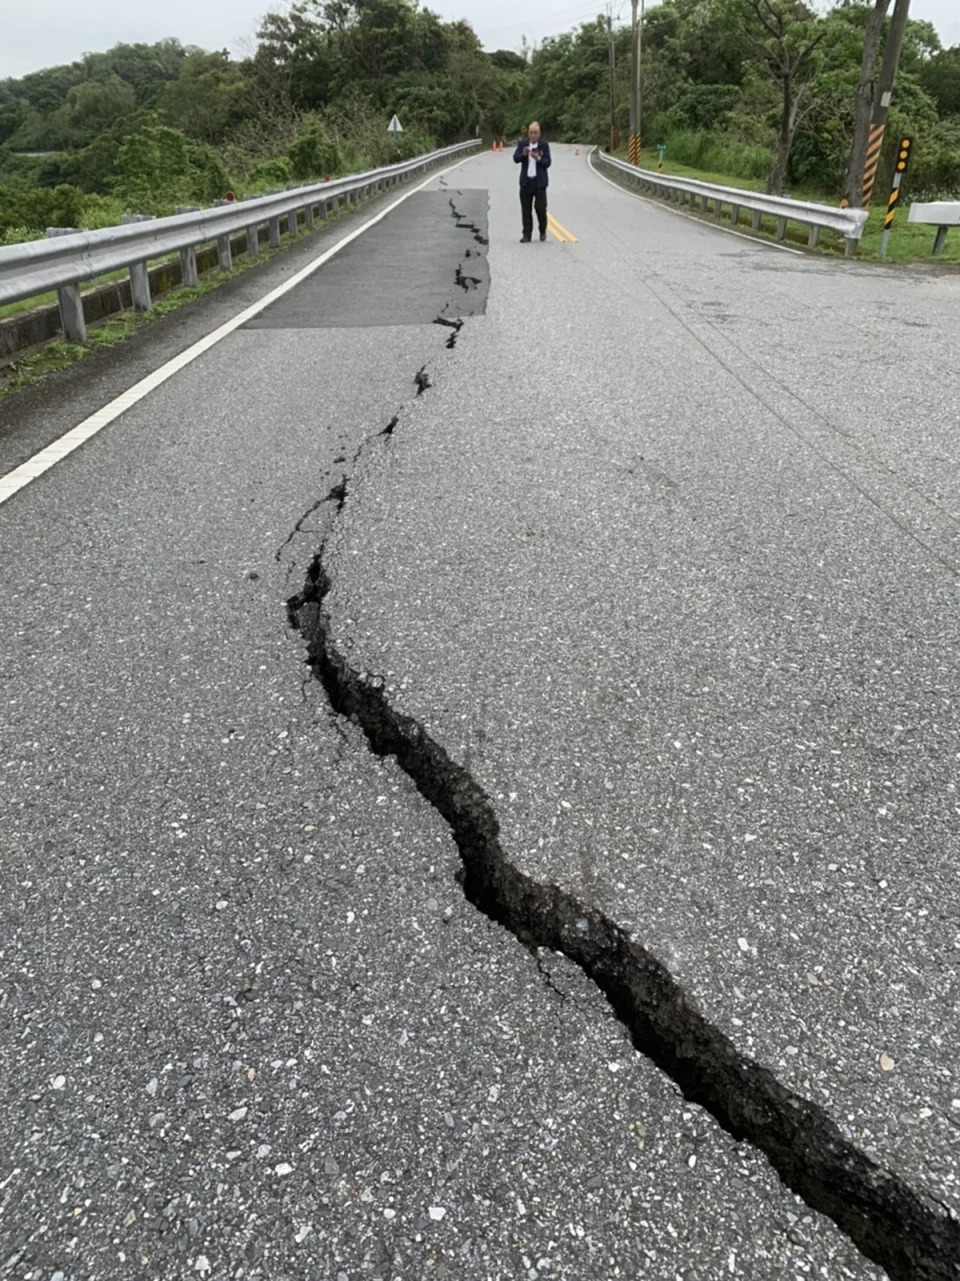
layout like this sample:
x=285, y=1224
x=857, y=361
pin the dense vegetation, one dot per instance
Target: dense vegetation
x=146, y=127
x=714, y=92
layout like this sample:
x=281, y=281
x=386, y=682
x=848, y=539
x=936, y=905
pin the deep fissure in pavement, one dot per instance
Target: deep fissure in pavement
x=887, y=1220
x=455, y=325
x=914, y=1238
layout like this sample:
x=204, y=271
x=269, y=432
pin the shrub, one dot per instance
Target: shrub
x=313, y=155
x=704, y=150
x=934, y=172
x=272, y=173
x=17, y=235
x=36, y=208
x=102, y=211
x=162, y=165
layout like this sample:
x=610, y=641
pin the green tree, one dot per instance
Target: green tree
x=160, y=163
x=940, y=77
x=782, y=39
x=94, y=105
x=209, y=97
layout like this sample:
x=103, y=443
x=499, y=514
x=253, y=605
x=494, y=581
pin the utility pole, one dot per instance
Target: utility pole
x=633, y=147
x=640, y=81
x=884, y=94
x=614, y=131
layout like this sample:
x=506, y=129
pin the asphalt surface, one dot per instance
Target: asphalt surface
x=689, y=618
x=689, y=642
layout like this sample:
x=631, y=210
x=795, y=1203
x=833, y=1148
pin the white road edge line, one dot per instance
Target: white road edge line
x=701, y=222
x=64, y=445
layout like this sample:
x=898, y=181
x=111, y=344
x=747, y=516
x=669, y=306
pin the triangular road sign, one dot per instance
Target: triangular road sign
x=394, y=126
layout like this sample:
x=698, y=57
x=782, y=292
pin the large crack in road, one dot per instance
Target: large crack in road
x=909, y=1235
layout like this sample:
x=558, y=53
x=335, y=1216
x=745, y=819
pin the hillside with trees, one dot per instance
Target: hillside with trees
x=763, y=89
x=146, y=127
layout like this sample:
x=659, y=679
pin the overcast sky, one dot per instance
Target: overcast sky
x=43, y=33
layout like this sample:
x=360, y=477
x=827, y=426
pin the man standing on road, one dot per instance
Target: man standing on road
x=533, y=157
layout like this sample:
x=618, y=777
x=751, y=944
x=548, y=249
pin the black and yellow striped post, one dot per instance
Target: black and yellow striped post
x=633, y=149
x=899, y=169
x=874, y=146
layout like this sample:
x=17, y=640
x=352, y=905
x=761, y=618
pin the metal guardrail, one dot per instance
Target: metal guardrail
x=68, y=258
x=849, y=223
x=942, y=214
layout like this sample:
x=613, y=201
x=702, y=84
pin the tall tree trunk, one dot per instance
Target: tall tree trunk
x=788, y=127
x=863, y=104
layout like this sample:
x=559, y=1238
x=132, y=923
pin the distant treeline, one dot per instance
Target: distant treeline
x=144, y=127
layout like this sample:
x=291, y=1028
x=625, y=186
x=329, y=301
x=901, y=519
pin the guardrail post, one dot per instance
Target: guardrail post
x=292, y=223
x=224, y=253
x=814, y=237
x=308, y=216
x=939, y=240
x=72, y=320
x=274, y=225
x=734, y=215
x=781, y=229
x=253, y=234
x=139, y=276
x=849, y=246
x=140, y=287
x=335, y=204
x=756, y=220
x=189, y=276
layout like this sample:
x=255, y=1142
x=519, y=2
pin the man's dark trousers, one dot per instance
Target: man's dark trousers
x=533, y=197
x=533, y=190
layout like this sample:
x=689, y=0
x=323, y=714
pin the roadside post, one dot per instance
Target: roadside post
x=899, y=169
x=661, y=148
x=395, y=127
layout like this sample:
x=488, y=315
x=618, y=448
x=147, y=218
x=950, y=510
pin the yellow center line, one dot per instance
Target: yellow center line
x=559, y=231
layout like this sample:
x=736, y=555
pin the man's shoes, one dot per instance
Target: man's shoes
x=543, y=236
x=524, y=240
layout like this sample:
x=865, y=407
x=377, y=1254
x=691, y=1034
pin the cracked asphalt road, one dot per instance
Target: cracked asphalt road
x=249, y=1024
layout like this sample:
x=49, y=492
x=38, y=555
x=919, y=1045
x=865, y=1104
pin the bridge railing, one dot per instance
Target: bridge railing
x=68, y=258
x=699, y=195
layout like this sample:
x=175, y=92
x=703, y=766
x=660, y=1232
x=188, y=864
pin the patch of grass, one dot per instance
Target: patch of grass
x=909, y=242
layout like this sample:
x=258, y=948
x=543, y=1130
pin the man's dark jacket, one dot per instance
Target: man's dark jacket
x=543, y=164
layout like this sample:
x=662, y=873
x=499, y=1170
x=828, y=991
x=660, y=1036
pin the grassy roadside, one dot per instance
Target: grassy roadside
x=57, y=355
x=908, y=242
